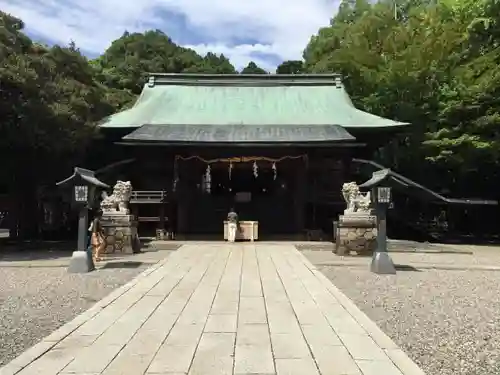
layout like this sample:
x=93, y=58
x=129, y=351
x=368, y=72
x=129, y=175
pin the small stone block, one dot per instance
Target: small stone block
x=81, y=262
x=382, y=264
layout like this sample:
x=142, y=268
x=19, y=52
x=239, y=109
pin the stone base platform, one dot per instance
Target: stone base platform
x=120, y=232
x=213, y=309
x=356, y=232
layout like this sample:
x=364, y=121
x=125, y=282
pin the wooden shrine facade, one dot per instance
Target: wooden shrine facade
x=290, y=192
x=276, y=147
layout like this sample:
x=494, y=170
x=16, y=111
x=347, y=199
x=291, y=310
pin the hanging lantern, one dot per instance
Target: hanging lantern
x=275, y=172
x=255, y=169
x=208, y=179
x=230, y=169
x=176, y=176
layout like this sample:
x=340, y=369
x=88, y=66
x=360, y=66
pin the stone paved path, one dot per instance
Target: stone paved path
x=221, y=309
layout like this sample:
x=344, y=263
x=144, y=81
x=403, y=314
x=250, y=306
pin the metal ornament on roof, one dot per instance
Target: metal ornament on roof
x=275, y=172
x=255, y=169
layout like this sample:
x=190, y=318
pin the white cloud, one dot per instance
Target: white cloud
x=280, y=27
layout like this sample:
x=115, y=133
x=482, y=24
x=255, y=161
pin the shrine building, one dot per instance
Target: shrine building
x=277, y=148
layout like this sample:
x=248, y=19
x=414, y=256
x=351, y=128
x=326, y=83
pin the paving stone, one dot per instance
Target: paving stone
x=51, y=362
x=159, y=322
x=309, y=313
x=403, y=362
x=279, y=307
x=284, y=325
x=223, y=305
x=219, y=309
x=100, y=323
x=362, y=347
x=253, y=334
x=215, y=355
x=253, y=359
x=164, y=287
x=149, y=338
x=76, y=341
x=250, y=284
x=93, y=359
x=252, y=310
x=26, y=358
x=171, y=358
x=322, y=335
x=345, y=324
x=378, y=367
x=127, y=325
x=300, y=366
x=129, y=364
x=184, y=335
x=286, y=345
x=335, y=360
x=221, y=323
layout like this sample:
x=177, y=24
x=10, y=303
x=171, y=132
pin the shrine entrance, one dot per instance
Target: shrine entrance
x=260, y=189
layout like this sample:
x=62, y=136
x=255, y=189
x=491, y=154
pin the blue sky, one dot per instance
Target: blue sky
x=265, y=31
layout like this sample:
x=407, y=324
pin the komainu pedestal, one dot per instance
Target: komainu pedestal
x=357, y=228
x=356, y=232
x=120, y=232
x=120, y=228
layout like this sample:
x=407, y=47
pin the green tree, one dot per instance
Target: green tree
x=212, y=64
x=49, y=103
x=125, y=64
x=252, y=68
x=291, y=67
x=433, y=65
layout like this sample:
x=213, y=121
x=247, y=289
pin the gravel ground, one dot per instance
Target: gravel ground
x=36, y=301
x=448, y=321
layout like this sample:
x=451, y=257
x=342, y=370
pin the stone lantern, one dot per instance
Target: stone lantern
x=380, y=188
x=83, y=185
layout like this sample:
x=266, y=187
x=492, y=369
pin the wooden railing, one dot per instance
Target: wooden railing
x=149, y=219
x=148, y=196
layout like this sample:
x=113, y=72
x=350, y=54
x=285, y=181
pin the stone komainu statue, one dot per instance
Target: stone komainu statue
x=357, y=202
x=117, y=203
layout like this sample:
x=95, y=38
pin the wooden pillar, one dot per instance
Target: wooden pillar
x=161, y=215
x=182, y=202
x=300, y=191
x=135, y=211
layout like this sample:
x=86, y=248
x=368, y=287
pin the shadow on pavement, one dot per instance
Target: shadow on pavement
x=35, y=250
x=25, y=251
x=394, y=246
x=131, y=264
x=406, y=267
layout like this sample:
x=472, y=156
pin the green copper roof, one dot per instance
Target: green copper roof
x=258, y=100
x=239, y=134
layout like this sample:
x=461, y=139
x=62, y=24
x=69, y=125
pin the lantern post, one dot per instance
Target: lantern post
x=382, y=197
x=83, y=185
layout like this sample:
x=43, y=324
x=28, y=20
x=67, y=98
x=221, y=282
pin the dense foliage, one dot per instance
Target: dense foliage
x=252, y=68
x=433, y=64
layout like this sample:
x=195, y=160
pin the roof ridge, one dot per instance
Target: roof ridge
x=245, y=79
x=244, y=76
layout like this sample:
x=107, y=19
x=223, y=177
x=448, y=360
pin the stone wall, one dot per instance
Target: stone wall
x=356, y=234
x=360, y=240
x=120, y=232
